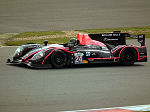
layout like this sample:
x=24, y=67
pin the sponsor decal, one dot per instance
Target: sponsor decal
x=111, y=34
x=110, y=39
x=88, y=53
x=85, y=61
x=93, y=54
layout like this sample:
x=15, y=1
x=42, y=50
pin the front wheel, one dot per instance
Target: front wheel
x=128, y=57
x=58, y=59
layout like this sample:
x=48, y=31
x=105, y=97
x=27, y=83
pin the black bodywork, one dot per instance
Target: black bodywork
x=113, y=49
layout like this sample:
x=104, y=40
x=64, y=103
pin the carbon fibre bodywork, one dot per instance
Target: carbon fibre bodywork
x=87, y=49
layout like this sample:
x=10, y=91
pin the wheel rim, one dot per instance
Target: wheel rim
x=59, y=59
x=129, y=56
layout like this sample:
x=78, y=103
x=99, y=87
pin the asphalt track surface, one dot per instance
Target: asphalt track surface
x=43, y=15
x=86, y=87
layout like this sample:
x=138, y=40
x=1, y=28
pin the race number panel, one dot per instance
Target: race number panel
x=78, y=58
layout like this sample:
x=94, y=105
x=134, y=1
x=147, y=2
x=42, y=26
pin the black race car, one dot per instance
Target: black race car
x=86, y=49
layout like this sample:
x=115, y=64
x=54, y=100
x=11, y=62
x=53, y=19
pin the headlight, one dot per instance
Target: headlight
x=38, y=55
x=18, y=52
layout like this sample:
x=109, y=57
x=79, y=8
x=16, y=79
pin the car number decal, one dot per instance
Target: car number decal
x=78, y=59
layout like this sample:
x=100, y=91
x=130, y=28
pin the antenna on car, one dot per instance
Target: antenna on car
x=45, y=42
x=116, y=31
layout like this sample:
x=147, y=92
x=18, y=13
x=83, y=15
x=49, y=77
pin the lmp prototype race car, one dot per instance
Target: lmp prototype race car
x=86, y=49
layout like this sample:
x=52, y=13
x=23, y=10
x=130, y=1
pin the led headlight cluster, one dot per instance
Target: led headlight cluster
x=18, y=51
x=38, y=55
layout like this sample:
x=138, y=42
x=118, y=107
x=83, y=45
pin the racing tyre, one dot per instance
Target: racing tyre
x=128, y=57
x=58, y=59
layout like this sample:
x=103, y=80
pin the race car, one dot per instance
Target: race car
x=85, y=49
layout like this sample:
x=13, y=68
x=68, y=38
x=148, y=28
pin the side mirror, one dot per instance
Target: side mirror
x=45, y=42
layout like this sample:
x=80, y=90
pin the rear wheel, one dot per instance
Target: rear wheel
x=128, y=56
x=58, y=59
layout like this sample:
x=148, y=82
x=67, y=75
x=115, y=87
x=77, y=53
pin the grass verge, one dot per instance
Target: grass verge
x=132, y=30
x=60, y=39
x=40, y=41
x=123, y=29
x=37, y=34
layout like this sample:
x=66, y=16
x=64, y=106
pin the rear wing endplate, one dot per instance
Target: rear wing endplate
x=140, y=38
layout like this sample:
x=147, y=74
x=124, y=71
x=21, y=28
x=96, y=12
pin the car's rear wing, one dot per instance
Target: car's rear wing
x=140, y=38
x=117, y=38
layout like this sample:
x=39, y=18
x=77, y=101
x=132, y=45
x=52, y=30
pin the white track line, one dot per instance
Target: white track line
x=134, y=108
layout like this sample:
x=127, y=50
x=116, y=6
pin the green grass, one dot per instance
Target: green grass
x=50, y=41
x=7, y=35
x=10, y=42
x=37, y=34
x=132, y=30
x=139, y=29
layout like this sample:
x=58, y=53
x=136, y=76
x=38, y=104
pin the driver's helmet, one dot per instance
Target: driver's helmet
x=73, y=41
